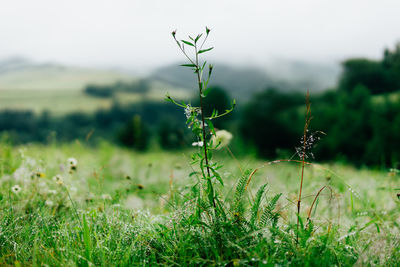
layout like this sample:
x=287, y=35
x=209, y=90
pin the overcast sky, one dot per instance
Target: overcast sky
x=133, y=33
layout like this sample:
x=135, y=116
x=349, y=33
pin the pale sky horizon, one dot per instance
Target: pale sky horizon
x=137, y=34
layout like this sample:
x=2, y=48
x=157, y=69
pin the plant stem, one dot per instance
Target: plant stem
x=200, y=84
x=308, y=118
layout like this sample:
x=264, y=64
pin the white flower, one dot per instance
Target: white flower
x=49, y=203
x=188, y=111
x=72, y=162
x=16, y=189
x=58, y=179
x=221, y=138
x=200, y=143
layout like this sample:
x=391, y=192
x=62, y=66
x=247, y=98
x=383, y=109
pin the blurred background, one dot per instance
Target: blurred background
x=95, y=71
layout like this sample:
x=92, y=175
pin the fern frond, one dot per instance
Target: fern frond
x=256, y=204
x=268, y=214
x=239, y=193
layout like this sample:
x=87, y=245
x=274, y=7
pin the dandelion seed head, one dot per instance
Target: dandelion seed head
x=72, y=162
x=16, y=189
x=222, y=138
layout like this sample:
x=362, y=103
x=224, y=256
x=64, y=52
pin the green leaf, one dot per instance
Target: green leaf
x=211, y=126
x=186, y=42
x=204, y=64
x=192, y=173
x=206, y=91
x=197, y=38
x=216, y=174
x=256, y=205
x=86, y=239
x=188, y=65
x=205, y=50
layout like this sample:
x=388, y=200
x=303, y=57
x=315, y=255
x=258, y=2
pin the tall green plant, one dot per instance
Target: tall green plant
x=201, y=125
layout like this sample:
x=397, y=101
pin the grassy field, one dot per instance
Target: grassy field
x=118, y=207
x=60, y=89
x=63, y=101
x=57, y=77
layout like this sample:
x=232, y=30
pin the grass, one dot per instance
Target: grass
x=53, y=77
x=127, y=208
x=63, y=101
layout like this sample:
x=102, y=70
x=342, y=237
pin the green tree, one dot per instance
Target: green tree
x=134, y=134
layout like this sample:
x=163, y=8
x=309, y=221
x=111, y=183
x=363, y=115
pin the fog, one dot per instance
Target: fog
x=136, y=34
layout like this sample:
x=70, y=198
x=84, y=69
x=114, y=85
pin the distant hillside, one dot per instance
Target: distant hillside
x=25, y=85
x=242, y=82
x=19, y=73
x=305, y=75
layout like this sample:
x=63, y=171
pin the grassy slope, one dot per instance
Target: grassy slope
x=363, y=206
x=60, y=90
x=52, y=77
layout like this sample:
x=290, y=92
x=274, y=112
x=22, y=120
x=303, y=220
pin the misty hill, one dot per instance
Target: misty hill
x=242, y=82
x=305, y=75
x=19, y=73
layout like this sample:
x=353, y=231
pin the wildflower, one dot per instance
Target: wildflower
x=221, y=138
x=52, y=192
x=38, y=175
x=58, y=179
x=73, y=163
x=16, y=189
x=200, y=143
x=188, y=111
x=49, y=203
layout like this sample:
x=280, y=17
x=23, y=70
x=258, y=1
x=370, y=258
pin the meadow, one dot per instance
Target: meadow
x=112, y=206
x=83, y=203
x=64, y=101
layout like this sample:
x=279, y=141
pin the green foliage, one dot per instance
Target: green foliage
x=367, y=73
x=69, y=220
x=358, y=130
x=107, y=91
x=239, y=193
x=171, y=134
x=270, y=121
x=102, y=231
x=135, y=134
x=381, y=76
x=217, y=101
